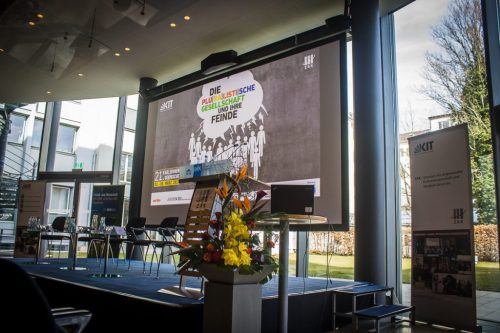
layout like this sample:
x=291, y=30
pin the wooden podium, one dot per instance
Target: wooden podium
x=201, y=210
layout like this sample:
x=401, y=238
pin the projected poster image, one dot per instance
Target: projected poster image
x=232, y=123
x=284, y=119
x=267, y=117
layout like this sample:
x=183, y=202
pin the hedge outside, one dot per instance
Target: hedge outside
x=342, y=243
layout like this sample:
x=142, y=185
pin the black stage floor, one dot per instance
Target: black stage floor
x=133, y=301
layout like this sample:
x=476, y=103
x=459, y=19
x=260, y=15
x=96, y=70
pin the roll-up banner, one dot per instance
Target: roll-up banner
x=107, y=202
x=443, y=277
x=31, y=205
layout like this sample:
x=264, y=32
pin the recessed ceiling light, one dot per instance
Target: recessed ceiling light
x=49, y=92
x=117, y=54
x=39, y=15
x=31, y=23
x=187, y=18
x=173, y=25
x=127, y=49
x=80, y=74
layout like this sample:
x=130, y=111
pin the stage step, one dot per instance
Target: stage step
x=383, y=311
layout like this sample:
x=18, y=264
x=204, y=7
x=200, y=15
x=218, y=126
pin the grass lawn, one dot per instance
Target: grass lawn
x=487, y=273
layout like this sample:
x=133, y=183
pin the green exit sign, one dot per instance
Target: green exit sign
x=78, y=165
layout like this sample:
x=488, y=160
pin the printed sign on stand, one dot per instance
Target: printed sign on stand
x=442, y=229
x=107, y=201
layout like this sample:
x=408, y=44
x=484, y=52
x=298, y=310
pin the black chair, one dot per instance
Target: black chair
x=56, y=234
x=24, y=300
x=136, y=237
x=168, y=231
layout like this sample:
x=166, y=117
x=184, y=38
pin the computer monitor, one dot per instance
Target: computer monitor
x=292, y=199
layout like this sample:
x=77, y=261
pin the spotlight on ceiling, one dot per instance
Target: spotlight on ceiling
x=219, y=61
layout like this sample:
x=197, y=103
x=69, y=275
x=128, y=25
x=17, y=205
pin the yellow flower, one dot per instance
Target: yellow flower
x=245, y=258
x=242, y=247
x=234, y=218
x=230, y=258
x=230, y=242
x=241, y=231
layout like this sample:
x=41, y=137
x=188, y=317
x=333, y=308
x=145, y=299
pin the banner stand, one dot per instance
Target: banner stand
x=443, y=288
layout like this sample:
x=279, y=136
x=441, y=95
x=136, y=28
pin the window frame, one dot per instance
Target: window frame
x=58, y=211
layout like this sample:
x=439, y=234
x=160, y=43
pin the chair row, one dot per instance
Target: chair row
x=137, y=237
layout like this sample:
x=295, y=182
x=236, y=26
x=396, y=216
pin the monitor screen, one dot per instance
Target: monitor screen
x=292, y=199
x=285, y=119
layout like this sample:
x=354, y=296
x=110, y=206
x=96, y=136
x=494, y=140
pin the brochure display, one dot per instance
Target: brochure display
x=442, y=229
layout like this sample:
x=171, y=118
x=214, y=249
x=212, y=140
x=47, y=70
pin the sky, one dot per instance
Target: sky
x=413, y=27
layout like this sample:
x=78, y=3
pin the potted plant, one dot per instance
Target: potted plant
x=231, y=252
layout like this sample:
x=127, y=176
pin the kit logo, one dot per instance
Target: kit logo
x=423, y=147
x=309, y=61
x=167, y=105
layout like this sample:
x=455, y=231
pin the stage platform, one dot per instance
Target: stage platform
x=134, y=301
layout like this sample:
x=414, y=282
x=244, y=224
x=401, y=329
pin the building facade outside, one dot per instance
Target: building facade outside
x=85, y=140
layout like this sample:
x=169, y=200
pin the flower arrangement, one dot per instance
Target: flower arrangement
x=230, y=241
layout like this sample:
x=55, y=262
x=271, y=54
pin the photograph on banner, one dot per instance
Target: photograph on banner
x=442, y=263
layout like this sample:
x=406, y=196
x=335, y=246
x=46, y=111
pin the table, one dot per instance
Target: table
x=284, y=227
x=74, y=246
x=105, y=273
x=354, y=292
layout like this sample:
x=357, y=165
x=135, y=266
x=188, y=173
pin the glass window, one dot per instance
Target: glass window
x=126, y=168
x=434, y=35
x=16, y=133
x=130, y=118
x=59, y=201
x=36, y=138
x=132, y=101
x=66, y=138
x=444, y=124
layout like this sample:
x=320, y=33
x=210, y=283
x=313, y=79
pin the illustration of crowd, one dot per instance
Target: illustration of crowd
x=239, y=148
